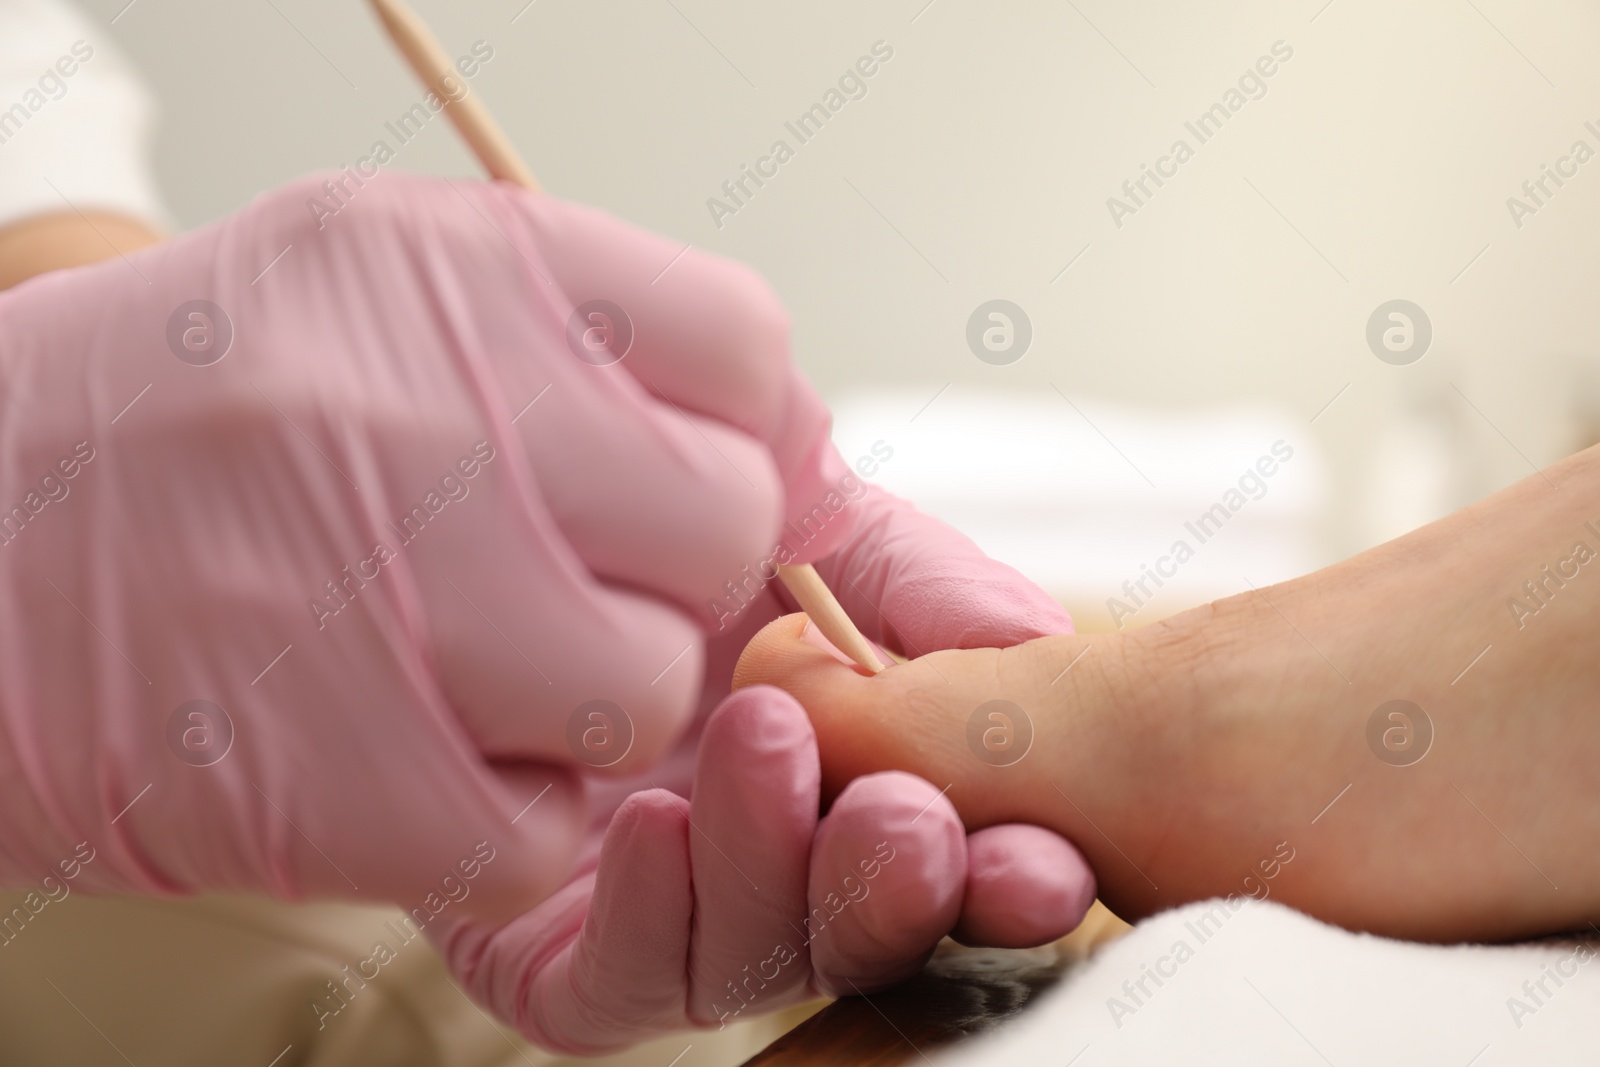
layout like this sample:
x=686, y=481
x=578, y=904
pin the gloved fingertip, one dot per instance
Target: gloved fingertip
x=1026, y=886
x=986, y=605
x=758, y=706
x=889, y=865
x=646, y=813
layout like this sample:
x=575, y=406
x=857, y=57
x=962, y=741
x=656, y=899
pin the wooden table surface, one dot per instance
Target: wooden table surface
x=962, y=991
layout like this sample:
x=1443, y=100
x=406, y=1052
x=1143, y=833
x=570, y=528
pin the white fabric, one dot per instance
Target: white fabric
x=85, y=133
x=1261, y=984
x=1081, y=495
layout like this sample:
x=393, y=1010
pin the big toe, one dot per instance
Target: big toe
x=849, y=709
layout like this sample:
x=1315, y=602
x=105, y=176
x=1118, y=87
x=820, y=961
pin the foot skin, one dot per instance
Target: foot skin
x=1015, y=734
x=1250, y=747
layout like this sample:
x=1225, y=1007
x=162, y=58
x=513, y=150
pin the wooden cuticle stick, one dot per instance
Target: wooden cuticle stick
x=483, y=135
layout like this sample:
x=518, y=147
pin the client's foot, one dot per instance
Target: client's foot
x=1405, y=742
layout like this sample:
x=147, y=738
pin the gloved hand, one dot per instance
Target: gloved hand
x=740, y=899
x=322, y=527
x=399, y=587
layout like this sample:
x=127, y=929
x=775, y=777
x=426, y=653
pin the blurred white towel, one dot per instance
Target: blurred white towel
x=1081, y=495
x=1257, y=983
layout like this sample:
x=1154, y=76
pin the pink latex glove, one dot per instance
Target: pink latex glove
x=426, y=743
x=389, y=513
x=741, y=900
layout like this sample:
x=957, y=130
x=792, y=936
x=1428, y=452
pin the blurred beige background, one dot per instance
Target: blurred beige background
x=978, y=166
